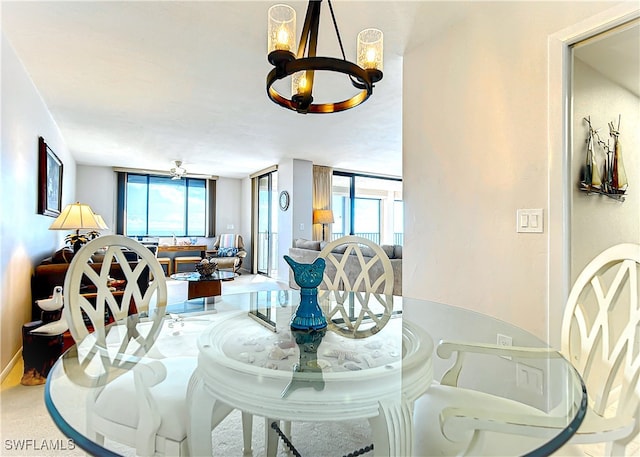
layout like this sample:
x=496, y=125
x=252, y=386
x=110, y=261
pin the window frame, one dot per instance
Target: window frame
x=352, y=197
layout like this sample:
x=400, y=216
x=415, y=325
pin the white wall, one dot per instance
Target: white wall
x=302, y=200
x=285, y=218
x=598, y=222
x=97, y=187
x=296, y=177
x=228, y=213
x=25, y=238
x=474, y=151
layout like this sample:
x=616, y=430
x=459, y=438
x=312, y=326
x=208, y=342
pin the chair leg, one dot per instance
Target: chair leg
x=247, y=432
x=271, y=438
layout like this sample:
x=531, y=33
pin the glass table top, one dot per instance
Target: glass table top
x=251, y=330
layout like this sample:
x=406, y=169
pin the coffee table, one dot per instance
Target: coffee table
x=204, y=286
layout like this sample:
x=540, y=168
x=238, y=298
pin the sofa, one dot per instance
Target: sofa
x=49, y=274
x=306, y=251
x=41, y=350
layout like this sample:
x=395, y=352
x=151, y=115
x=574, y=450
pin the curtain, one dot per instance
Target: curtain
x=322, y=190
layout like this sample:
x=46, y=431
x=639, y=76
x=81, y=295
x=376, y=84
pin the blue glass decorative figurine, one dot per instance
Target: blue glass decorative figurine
x=308, y=316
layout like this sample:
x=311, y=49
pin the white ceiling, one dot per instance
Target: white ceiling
x=616, y=54
x=140, y=84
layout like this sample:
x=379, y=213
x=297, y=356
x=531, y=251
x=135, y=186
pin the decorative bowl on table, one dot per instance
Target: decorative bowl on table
x=205, y=268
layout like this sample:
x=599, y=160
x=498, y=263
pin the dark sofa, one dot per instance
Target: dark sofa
x=47, y=276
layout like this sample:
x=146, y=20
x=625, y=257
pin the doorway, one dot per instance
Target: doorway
x=604, y=143
x=560, y=178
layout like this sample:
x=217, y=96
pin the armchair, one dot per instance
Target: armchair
x=600, y=339
x=228, y=252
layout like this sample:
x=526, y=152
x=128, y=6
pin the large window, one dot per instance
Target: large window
x=367, y=206
x=161, y=206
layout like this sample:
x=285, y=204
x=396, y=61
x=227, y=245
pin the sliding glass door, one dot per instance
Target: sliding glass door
x=267, y=224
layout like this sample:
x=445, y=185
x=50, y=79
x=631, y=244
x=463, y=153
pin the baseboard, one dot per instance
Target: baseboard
x=6, y=370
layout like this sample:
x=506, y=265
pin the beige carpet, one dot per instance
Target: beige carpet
x=26, y=420
x=26, y=429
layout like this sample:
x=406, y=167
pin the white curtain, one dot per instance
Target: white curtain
x=322, y=188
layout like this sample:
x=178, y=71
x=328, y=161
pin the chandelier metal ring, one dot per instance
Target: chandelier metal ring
x=364, y=80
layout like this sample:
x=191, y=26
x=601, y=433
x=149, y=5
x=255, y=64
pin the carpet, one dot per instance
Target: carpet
x=28, y=430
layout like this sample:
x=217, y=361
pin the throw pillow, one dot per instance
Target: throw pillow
x=227, y=252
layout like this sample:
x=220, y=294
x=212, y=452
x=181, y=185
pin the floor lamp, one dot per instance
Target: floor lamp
x=324, y=217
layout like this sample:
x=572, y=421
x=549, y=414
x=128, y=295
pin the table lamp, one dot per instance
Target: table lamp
x=324, y=217
x=78, y=216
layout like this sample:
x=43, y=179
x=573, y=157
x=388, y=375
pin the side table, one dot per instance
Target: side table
x=204, y=286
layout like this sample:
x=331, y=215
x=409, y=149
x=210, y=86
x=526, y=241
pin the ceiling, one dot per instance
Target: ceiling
x=616, y=54
x=139, y=84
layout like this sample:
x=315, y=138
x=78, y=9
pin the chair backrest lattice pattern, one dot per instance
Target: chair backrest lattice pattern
x=373, y=272
x=356, y=314
x=601, y=330
x=85, y=313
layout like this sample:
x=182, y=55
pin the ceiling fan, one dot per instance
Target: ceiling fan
x=177, y=172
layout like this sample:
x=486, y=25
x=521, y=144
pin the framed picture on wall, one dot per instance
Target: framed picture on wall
x=49, y=180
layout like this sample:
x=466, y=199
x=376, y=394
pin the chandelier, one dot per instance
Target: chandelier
x=301, y=67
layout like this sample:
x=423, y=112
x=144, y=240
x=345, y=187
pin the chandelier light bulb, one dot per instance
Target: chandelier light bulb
x=371, y=58
x=283, y=40
x=299, y=83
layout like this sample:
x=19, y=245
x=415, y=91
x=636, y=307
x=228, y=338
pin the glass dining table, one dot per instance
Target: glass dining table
x=371, y=362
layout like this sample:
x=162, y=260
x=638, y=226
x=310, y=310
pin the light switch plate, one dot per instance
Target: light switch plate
x=530, y=220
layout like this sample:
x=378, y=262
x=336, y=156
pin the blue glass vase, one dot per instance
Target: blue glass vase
x=308, y=315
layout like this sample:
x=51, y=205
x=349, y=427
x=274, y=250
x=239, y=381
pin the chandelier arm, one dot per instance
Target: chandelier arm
x=311, y=17
x=335, y=25
x=312, y=47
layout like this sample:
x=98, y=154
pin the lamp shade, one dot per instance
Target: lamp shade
x=282, y=28
x=322, y=216
x=77, y=216
x=102, y=223
x=370, y=49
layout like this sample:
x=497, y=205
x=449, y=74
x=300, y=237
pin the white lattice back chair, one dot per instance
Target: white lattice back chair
x=600, y=337
x=349, y=283
x=135, y=400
